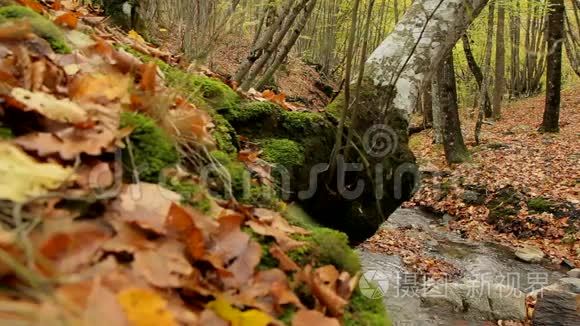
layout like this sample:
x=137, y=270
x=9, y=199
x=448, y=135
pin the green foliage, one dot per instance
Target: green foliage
x=301, y=123
x=540, y=205
x=364, y=311
x=152, y=149
x=5, y=133
x=283, y=152
x=331, y=247
x=192, y=194
x=252, y=111
x=41, y=26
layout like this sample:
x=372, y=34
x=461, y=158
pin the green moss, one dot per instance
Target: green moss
x=151, y=147
x=224, y=134
x=252, y=111
x=203, y=91
x=297, y=216
x=287, y=315
x=41, y=26
x=192, y=194
x=283, y=152
x=5, y=133
x=301, y=123
x=364, y=311
x=540, y=205
x=331, y=247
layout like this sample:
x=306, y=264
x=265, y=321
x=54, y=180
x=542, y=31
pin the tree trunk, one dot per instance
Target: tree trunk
x=455, y=149
x=427, y=100
x=385, y=172
x=551, y=119
x=499, y=62
x=437, y=111
x=486, y=71
x=477, y=74
x=288, y=45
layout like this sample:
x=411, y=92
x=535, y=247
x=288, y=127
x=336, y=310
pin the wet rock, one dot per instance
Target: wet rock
x=574, y=273
x=556, y=308
x=478, y=300
x=571, y=284
x=507, y=303
x=530, y=254
x=471, y=197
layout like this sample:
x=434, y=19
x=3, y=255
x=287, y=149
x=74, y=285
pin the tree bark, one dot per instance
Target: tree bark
x=437, y=111
x=486, y=71
x=551, y=119
x=477, y=74
x=499, y=62
x=288, y=45
x=455, y=149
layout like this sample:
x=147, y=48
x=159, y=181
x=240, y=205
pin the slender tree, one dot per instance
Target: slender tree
x=499, y=61
x=455, y=149
x=486, y=71
x=477, y=74
x=551, y=119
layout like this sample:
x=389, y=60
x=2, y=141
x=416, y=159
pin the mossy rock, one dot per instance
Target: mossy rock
x=149, y=148
x=231, y=177
x=365, y=311
x=541, y=205
x=205, y=92
x=285, y=152
x=41, y=25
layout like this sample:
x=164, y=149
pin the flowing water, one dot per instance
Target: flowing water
x=477, y=260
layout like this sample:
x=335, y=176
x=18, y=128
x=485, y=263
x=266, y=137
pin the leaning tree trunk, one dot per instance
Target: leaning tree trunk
x=551, y=119
x=384, y=175
x=477, y=74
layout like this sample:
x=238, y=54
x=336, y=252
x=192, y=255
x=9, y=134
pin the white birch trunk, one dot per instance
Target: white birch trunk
x=414, y=50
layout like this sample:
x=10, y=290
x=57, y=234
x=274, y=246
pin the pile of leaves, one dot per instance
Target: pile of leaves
x=403, y=242
x=526, y=181
x=83, y=243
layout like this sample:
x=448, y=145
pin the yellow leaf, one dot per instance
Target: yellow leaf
x=145, y=308
x=135, y=36
x=49, y=106
x=237, y=317
x=22, y=178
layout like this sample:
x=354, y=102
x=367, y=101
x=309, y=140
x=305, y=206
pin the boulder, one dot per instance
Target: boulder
x=557, y=308
x=471, y=197
x=477, y=300
x=530, y=254
x=574, y=273
x=570, y=284
x=507, y=303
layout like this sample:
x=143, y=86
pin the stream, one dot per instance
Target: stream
x=481, y=261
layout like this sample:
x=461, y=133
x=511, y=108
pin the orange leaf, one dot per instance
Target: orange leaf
x=67, y=19
x=148, y=76
x=15, y=32
x=57, y=245
x=32, y=4
x=56, y=5
x=178, y=219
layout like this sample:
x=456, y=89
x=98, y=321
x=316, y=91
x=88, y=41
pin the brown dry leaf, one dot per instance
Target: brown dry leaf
x=146, y=205
x=278, y=221
x=129, y=238
x=346, y=284
x=59, y=110
x=286, y=263
x=67, y=143
x=74, y=246
x=164, y=266
x=243, y=266
x=313, y=317
x=100, y=88
x=327, y=274
x=190, y=124
x=285, y=242
x=148, y=81
x=180, y=222
x=68, y=19
x=32, y=4
x=16, y=31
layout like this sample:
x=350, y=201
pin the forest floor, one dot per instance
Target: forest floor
x=520, y=188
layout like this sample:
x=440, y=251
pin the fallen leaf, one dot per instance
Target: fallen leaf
x=148, y=77
x=286, y=263
x=145, y=308
x=133, y=35
x=237, y=317
x=164, y=266
x=100, y=88
x=22, y=178
x=313, y=317
x=59, y=110
x=68, y=19
x=285, y=242
x=146, y=205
